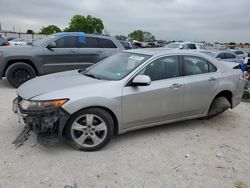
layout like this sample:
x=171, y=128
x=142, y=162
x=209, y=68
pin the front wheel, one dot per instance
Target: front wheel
x=90, y=129
x=18, y=73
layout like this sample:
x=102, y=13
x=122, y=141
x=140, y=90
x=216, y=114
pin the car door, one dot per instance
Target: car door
x=201, y=81
x=160, y=101
x=90, y=52
x=63, y=57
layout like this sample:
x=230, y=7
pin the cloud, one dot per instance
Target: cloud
x=210, y=20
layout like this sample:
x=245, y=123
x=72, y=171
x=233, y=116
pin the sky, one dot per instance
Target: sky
x=190, y=20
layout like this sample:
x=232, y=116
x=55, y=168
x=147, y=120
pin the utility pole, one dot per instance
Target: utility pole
x=0, y=26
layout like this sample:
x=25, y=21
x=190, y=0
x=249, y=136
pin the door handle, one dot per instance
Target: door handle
x=175, y=86
x=211, y=79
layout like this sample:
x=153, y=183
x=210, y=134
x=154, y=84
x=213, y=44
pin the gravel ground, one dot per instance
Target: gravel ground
x=196, y=153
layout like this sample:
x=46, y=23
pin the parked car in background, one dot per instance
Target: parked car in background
x=128, y=45
x=18, y=42
x=10, y=38
x=59, y=52
x=130, y=90
x=224, y=55
x=4, y=42
x=239, y=53
x=246, y=50
x=186, y=45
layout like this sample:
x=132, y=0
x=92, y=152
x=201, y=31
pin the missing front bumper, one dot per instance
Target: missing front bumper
x=48, y=125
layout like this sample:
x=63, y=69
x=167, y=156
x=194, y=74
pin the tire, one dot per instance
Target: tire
x=89, y=129
x=218, y=106
x=18, y=73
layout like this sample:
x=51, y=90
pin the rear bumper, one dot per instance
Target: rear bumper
x=48, y=125
x=239, y=93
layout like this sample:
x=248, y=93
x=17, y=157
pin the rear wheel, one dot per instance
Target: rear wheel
x=18, y=73
x=219, y=105
x=90, y=129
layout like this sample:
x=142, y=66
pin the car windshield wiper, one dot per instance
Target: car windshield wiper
x=92, y=76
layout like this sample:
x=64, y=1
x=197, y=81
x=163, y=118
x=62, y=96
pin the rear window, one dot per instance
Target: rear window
x=106, y=43
x=229, y=56
x=126, y=45
x=221, y=56
x=196, y=65
x=189, y=46
x=238, y=52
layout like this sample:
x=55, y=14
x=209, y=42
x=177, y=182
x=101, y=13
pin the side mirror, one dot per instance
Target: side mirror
x=51, y=44
x=141, y=80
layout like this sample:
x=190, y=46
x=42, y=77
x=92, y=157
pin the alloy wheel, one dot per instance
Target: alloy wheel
x=89, y=130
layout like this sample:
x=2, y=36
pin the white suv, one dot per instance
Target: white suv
x=186, y=45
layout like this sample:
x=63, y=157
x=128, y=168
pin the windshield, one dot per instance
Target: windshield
x=173, y=45
x=116, y=67
x=38, y=42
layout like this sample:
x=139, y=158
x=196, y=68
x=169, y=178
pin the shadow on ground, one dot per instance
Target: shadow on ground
x=4, y=84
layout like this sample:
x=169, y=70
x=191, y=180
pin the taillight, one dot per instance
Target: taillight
x=6, y=43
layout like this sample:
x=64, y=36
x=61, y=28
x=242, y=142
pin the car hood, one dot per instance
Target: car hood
x=54, y=82
x=23, y=47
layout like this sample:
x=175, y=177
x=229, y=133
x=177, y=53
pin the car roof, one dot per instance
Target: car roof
x=81, y=34
x=70, y=33
x=161, y=51
x=218, y=51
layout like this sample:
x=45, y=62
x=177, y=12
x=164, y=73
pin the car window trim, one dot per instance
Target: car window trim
x=182, y=65
x=54, y=40
x=129, y=81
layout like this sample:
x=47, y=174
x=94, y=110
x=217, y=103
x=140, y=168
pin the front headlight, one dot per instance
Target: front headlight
x=41, y=105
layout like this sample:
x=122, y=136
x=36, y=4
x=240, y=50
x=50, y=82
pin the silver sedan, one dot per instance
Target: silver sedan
x=127, y=91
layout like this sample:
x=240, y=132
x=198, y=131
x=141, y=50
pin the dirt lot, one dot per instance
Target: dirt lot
x=188, y=154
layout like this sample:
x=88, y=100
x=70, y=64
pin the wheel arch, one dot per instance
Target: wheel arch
x=114, y=118
x=27, y=61
x=227, y=94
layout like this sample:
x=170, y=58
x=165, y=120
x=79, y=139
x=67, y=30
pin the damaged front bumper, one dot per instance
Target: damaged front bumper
x=47, y=124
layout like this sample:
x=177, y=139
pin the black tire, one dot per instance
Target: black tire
x=103, y=114
x=218, y=106
x=18, y=73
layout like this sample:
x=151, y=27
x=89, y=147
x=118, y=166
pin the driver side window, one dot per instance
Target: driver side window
x=67, y=42
x=162, y=68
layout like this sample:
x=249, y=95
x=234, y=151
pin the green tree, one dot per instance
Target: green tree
x=29, y=31
x=84, y=24
x=136, y=35
x=142, y=36
x=121, y=37
x=51, y=29
x=148, y=37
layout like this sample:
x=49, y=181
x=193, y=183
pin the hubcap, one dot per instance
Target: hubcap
x=89, y=130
